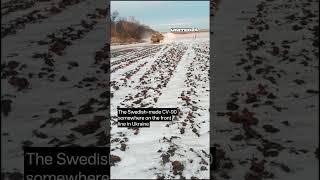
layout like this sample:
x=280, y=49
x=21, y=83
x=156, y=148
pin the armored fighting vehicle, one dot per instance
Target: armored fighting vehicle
x=156, y=38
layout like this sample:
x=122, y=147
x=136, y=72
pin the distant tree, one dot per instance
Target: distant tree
x=133, y=19
x=127, y=29
x=114, y=16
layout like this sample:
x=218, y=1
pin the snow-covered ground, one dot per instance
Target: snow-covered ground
x=169, y=74
x=264, y=113
x=265, y=117
x=52, y=75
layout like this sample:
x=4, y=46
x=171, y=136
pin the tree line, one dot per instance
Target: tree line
x=127, y=30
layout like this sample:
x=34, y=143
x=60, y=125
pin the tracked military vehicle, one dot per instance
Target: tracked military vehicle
x=156, y=38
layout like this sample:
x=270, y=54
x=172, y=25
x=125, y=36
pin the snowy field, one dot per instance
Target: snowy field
x=174, y=73
x=53, y=70
x=265, y=122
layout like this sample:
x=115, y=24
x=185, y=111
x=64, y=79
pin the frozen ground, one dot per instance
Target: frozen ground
x=173, y=74
x=266, y=117
x=266, y=58
x=53, y=71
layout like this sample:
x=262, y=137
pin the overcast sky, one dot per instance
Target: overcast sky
x=163, y=15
